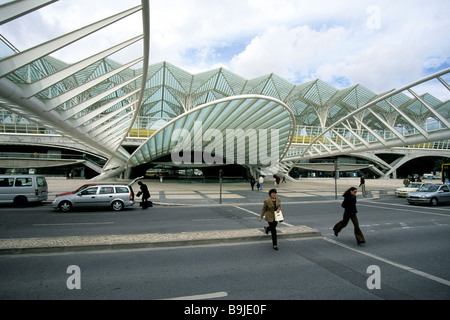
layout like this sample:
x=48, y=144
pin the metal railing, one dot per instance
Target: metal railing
x=52, y=156
x=23, y=127
x=304, y=135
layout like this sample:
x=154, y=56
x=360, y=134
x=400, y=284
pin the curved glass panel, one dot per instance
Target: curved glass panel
x=245, y=129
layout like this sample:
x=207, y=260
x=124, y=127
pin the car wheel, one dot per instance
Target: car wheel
x=117, y=205
x=65, y=206
x=20, y=201
x=434, y=202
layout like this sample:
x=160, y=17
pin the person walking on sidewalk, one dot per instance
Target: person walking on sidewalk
x=260, y=182
x=271, y=204
x=252, y=182
x=362, y=184
x=349, y=205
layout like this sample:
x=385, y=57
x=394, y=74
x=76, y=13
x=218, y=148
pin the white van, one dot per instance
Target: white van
x=21, y=189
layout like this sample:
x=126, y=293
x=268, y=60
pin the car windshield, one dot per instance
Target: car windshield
x=414, y=185
x=429, y=188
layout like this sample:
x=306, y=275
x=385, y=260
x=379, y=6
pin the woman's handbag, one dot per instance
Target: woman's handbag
x=279, y=216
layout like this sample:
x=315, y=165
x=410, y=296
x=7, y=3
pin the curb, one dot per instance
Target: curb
x=145, y=241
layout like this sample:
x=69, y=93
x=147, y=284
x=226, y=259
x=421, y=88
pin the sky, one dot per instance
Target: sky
x=381, y=45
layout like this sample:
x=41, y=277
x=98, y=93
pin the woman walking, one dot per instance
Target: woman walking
x=349, y=205
x=271, y=205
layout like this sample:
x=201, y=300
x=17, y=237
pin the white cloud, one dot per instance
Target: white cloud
x=393, y=53
x=291, y=53
x=379, y=44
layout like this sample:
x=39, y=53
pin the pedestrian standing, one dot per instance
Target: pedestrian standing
x=405, y=181
x=362, y=185
x=252, y=182
x=260, y=182
x=271, y=205
x=349, y=205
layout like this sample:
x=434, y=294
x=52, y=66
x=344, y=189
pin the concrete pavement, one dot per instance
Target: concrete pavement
x=173, y=192
x=139, y=241
x=201, y=194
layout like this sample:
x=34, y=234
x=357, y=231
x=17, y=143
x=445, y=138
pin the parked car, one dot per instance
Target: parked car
x=114, y=196
x=403, y=192
x=21, y=189
x=432, y=194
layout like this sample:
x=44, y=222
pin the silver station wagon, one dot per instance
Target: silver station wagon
x=114, y=196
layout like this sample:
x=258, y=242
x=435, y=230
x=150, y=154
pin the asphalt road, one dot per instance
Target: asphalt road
x=406, y=255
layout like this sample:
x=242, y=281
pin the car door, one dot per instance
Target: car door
x=445, y=194
x=105, y=196
x=23, y=186
x=86, y=198
x=6, y=189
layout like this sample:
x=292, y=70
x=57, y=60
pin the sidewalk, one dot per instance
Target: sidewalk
x=139, y=241
x=172, y=193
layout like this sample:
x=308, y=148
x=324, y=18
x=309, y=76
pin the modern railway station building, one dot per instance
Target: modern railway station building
x=97, y=118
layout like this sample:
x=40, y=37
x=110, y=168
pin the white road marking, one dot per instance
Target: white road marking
x=201, y=296
x=246, y=210
x=395, y=264
x=404, y=225
x=69, y=224
x=257, y=214
x=408, y=209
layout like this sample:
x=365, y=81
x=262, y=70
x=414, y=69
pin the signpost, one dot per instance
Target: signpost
x=220, y=182
x=336, y=176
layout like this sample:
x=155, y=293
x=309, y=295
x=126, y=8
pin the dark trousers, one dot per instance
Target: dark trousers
x=343, y=223
x=273, y=230
x=144, y=203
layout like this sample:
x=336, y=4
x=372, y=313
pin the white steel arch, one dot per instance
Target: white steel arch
x=93, y=101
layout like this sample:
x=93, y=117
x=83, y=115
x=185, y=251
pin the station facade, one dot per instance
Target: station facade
x=97, y=118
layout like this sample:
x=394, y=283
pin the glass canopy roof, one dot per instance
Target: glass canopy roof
x=247, y=129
